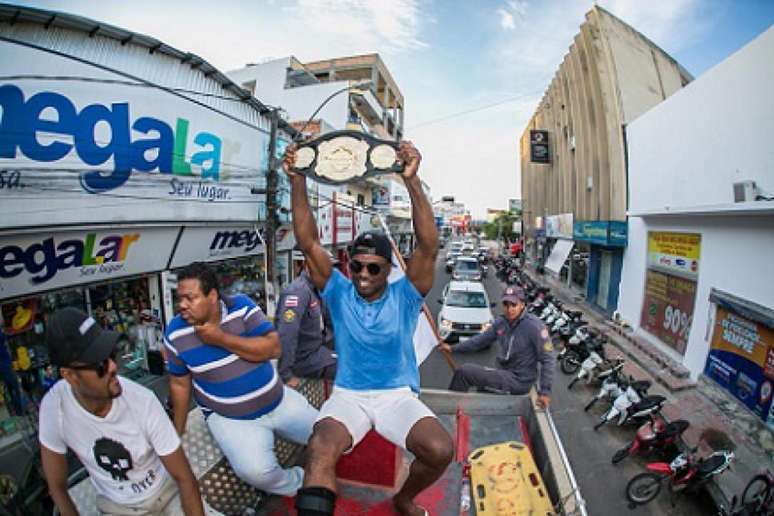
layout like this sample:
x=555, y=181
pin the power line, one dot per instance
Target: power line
x=469, y=111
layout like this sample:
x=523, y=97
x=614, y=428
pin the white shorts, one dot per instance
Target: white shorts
x=391, y=412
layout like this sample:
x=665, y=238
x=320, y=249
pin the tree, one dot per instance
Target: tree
x=502, y=226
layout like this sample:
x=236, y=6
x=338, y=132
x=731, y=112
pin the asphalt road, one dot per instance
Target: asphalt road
x=602, y=484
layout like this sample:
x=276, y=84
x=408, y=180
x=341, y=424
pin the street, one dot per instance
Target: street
x=601, y=483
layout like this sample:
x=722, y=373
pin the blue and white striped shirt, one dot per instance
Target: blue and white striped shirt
x=222, y=381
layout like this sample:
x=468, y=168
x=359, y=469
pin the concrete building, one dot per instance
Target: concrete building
x=376, y=107
x=573, y=151
x=698, y=280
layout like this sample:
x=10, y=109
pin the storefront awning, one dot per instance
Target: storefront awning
x=559, y=255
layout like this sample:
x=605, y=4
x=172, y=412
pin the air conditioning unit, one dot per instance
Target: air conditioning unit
x=745, y=191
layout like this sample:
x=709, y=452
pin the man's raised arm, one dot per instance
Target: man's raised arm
x=304, y=226
x=421, y=265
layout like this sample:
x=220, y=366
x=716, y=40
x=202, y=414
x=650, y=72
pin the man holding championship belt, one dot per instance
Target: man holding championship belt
x=377, y=381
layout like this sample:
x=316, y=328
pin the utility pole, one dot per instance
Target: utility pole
x=272, y=221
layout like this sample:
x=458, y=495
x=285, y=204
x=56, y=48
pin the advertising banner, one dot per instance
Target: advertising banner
x=741, y=359
x=205, y=244
x=559, y=226
x=111, y=148
x=43, y=261
x=667, y=311
x=538, y=147
x=674, y=252
x=608, y=233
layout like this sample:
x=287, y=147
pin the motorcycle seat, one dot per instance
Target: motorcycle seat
x=710, y=464
x=574, y=313
x=675, y=428
x=649, y=402
x=641, y=385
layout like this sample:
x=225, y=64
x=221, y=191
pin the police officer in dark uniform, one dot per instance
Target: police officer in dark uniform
x=523, y=342
x=304, y=329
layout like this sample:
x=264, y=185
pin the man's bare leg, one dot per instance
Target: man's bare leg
x=432, y=446
x=328, y=443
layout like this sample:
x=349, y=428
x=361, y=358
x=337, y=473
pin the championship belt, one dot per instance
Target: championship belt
x=343, y=156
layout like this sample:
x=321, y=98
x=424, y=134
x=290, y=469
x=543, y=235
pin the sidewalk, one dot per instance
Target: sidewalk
x=702, y=403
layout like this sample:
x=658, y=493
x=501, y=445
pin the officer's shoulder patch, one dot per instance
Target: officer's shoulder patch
x=544, y=333
x=288, y=315
x=548, y=346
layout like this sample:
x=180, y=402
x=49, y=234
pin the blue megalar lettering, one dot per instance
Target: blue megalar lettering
x=22, y=123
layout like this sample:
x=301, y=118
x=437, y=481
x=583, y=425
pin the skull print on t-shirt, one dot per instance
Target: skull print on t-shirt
x=113, y=458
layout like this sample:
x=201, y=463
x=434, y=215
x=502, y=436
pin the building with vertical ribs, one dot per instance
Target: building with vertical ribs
x=575, y=189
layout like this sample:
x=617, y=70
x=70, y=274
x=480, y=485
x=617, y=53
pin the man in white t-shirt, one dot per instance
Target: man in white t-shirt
x=117, y=428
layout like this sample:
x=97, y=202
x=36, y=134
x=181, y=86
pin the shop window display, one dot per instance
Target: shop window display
x=24, y=368
x=124, y=307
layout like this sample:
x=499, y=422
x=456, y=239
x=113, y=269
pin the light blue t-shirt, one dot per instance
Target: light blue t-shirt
x=374, y=341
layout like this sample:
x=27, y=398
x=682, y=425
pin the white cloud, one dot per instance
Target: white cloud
x=506, y=20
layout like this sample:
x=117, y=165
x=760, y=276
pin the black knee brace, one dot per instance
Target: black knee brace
x=315, y=501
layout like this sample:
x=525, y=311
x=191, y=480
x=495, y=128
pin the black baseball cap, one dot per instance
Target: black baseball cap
x=74, y=336
x=372, y=242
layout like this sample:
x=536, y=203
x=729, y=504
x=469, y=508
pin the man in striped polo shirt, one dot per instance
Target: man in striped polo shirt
x=219, y=348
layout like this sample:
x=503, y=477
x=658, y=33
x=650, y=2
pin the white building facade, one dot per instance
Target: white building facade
x=697, y=274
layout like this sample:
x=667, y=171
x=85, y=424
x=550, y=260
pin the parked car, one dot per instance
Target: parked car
x=467, y=268
x=466, y=310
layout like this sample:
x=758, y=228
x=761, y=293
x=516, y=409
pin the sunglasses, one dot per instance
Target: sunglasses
x=373, y=268
x=101, y=369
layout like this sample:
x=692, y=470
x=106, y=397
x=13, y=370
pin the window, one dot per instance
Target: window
x=466, y=265
x=462, y=299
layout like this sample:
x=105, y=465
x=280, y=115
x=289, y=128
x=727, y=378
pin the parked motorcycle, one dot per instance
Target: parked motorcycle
x=655, y=435
x=574, y=355
x=597, y=367
x=634, y=406
x=685, y=472
x=612, y=387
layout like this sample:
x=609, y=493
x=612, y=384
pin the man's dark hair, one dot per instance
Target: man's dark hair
x=202, y=272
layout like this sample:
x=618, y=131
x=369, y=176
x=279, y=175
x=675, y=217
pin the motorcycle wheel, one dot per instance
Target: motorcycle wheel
x=755, y=494
x=621, y=454
x=570, y=362
x=643, y=488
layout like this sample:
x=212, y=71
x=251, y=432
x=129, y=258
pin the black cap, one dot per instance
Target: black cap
x=372, y=242
x=73, y=336
x=514, y=294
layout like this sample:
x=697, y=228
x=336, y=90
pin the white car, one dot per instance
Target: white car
x=466, y=310
x=467, y=268
x=455, y=247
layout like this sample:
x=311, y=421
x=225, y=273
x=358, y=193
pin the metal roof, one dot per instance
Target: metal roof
x=13, y=14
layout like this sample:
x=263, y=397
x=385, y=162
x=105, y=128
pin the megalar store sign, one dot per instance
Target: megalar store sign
x=37, y=262
x=741, y=359
x=670, y=286
x=103, y=140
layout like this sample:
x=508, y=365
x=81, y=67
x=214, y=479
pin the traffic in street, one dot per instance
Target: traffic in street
x=603, y=484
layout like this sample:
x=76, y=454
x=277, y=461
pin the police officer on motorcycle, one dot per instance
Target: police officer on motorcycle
x=523, y=346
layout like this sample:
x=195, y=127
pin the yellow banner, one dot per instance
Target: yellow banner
x=685, y=245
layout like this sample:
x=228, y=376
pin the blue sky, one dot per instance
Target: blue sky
x=447, y=56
